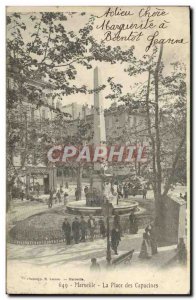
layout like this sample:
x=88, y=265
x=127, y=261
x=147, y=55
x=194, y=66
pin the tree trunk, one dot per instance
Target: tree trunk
x=158, y=198
x=79, y=181
x=9, y=198
x=178, y=152
x=150, y=134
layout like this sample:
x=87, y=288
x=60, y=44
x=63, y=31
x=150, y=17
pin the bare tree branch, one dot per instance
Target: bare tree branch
x=158, y=142
x=149, y=130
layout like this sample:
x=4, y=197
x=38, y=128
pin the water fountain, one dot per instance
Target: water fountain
x=97, y=195
x=46, y=227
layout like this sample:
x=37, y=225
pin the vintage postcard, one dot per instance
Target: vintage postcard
x=98, y=150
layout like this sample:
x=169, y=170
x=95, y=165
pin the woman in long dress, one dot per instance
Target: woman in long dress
x=145, y=252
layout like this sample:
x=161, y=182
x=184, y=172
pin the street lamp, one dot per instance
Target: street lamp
x=107, y=210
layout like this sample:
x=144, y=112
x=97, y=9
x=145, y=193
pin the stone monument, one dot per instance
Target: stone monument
x=99, y=139
x=95, y=200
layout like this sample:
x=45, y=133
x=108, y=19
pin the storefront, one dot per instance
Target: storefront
x=40, y=178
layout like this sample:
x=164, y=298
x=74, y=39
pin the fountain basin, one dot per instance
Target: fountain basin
x=80, y=208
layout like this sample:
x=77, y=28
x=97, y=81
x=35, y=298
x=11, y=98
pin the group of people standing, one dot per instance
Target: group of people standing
x=79, y=228
x=123, y=190
x=59, y=196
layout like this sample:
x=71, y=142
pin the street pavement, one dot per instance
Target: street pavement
x=80, y=254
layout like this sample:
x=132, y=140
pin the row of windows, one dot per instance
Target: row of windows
x=116, y=121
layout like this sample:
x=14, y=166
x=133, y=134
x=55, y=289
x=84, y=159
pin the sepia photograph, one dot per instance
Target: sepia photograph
x=98, y=150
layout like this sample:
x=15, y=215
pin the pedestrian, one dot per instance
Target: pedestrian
x=148, y=230
x=77, y=194
x=76, y=230
x=102, y=228
x=55, y=196
x=66, y=227
x=126, y=191
x=66, y=185
x=144, y=192
x=94, y=265
x=115, y=239
x=91, y=226
x=37, y=188
x=133, y=226
x=65, y=197
x=83, y=226
x=116, y=223
x=85, y=190
x=61, y=189
x=50, y=200
x=61, y=194
x=145, y=247
x=58, y=196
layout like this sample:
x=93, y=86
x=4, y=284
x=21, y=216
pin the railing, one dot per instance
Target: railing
x=30, y=236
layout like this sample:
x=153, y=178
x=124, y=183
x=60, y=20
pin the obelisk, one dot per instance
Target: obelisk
x=99, y=120
x=99, y=138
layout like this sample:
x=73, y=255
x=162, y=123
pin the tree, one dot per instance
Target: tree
x=41, y=48
x=162, y=97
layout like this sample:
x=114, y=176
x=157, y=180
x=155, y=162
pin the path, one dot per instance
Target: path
x=80, y=254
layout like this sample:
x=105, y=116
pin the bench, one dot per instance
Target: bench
x=124, y=258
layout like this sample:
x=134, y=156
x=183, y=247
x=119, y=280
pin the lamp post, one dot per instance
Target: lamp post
x=107, y=209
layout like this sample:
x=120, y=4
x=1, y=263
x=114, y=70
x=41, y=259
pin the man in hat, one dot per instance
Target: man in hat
x=76, y=230
x=115, y=239
x=66, y=227
x=83, y=226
